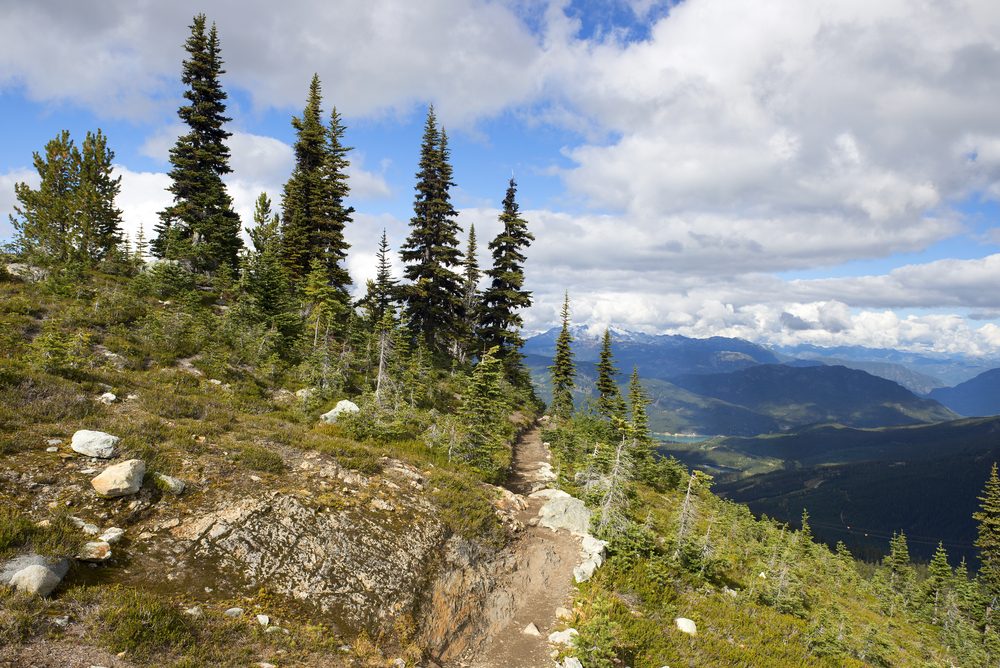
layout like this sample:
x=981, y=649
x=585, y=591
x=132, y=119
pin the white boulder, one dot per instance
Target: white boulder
x=685, y=625
x=34, y=574
x=343, y=406
x=571, y=662
x=112, y=535
x=95, y=551
x=94, y=443
x=563, y=637
x=108, y=398
x=121, y=479
x=567, y=513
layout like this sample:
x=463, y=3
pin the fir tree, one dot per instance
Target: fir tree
x=609, y=401
x=141, y=245
x=988, y=540
x=380, y=293
x=200, y=226
x=938, y=578
x=483, y=410
x=470, y=293
x=266, y=281
x=637, y=405
x=303, y=192
x=99, y=220
x=500, y=320
x=434, y=292
x=563, y=371
x=44, y=217
x=328, y=235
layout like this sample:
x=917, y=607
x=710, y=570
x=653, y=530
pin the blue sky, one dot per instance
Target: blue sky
x=701, y=167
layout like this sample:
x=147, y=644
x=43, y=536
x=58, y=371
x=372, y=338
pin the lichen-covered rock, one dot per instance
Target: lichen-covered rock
x=112, y=535
x=34, y=574
x=361, y=566
x=342, y=407
x=170, y=484
x=94, y=443
x=95, y=551
x=563, y=637
x=121, y=479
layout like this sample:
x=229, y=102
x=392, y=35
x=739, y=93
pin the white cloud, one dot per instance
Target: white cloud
x=8, y=199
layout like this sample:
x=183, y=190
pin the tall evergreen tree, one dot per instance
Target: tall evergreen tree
x=483, y=410
x=988, y=540
x=328, y=236
x=303, y=193
x=563, y=371
x=939, y=577
x=99, y=220
x=381, y=293
x=500, y=320
x=200, y=226
x=609, y=400
x=434, y=293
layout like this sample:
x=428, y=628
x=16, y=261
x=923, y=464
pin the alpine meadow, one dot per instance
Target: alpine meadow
x=493, y=334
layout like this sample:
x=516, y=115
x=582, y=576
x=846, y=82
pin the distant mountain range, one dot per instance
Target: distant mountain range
x=735, y=387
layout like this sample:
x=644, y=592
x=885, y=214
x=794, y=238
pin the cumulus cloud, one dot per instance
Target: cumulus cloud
x=7, y=198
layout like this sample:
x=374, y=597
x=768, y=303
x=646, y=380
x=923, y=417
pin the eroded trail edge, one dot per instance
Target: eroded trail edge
x=538, y=590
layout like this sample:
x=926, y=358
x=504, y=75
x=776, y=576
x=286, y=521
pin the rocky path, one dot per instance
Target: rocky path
x=542, y=580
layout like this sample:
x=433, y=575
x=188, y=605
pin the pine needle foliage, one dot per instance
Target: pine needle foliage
x=563, y=370
x=200, y=226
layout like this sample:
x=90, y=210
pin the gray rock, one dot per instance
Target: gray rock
x=571, y=662
x=195, y=611
x=52, y=448
x=531, y=630
x=342, y=407
x=112, y=535
x=94, y=444
x=263, y=620
x=121, y=479
x=27, y=272
x=108, y=398
x=585, y=571
x=685, y=625
x=565, y=513
x=170, y=484
x=34, y=574
x=234, y=612
x=54, y=441
x=563, y=637
x=62, y=622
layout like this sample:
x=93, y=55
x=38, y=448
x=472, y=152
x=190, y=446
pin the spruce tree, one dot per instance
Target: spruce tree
x=637, y=407
x=44, y=217
x=328, y=235
x=563, y=371
x=434, y=293
x=500, y=320
x=938, y=578
x=99, y=220
x=470, y=293
x=988, y=540
x=200, y=226
x=609, y=400
x=303, y=192
x=381, y=292
x=265, y=280
x=484, y=409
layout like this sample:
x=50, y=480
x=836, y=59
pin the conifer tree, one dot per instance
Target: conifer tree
x=265, y=280
x=563, y=371
x=637, y=405
x=609, y=401
x=484, y=408
x=500, y=321
x=328, y=235
x=470, y=293
x=988, y=540
x=99, y=220
x=141, y=245
x=303, y=192
x=381, y=292
x=434, y=293
x=200, y=226
x=938, y=578
x=44, y=216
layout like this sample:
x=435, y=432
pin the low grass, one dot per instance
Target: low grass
x=260, y=459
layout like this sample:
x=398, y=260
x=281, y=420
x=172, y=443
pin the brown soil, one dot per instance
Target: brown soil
x=541, y=581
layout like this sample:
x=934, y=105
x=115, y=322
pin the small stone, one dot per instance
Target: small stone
x=108, y=398
x=170, y=484
x=398, y=663
x=234, y=612
x=195, y=611
x=563, y=637
x=273, y=629
x=54, y=441
x=95, y=551
x=52, y=449
x=61, y=622
x=263, y=620
x=94, y=444
x=112, y=535
x=531, y=630
x=215, y=381
x=121, y=479
x=265, y=664
x=571, y=662
x=564, y=613
x=685, y=625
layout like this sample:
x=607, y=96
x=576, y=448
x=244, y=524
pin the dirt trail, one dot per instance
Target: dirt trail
x=542, y=580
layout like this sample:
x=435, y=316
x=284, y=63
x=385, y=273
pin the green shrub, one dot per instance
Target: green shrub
x=260, y=459
x=466, y=509
x=142, y=624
